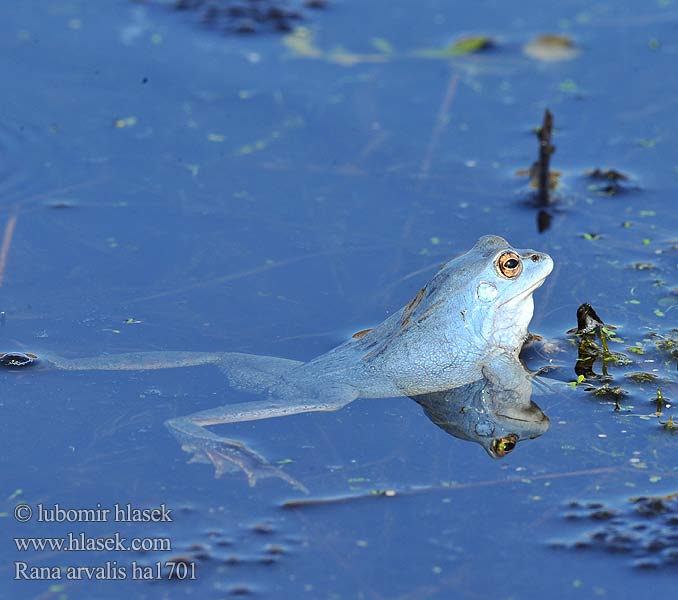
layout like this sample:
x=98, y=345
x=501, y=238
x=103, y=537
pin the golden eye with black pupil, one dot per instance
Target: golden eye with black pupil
x=503, y=446
x=509, y=265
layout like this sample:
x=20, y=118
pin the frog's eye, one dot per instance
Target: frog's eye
x=503, y=446
x=510, y=265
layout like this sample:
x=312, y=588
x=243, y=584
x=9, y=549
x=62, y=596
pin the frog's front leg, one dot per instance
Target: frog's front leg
x=227, y=454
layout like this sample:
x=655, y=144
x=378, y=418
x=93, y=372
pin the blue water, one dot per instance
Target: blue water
x=230, y=194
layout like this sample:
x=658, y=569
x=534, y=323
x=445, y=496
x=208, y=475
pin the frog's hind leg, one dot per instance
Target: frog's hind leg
x=133, y=361
x=252, y=372
x=226, y=454
x=244, y=371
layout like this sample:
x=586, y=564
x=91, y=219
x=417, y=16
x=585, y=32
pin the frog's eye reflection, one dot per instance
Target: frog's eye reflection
x=510, y=265
x=503, y=446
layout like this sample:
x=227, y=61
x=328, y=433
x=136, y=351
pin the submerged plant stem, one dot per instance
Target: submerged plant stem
x=545, y=151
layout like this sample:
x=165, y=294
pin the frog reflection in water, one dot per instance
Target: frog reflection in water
x=460, y=336
x=496, y=411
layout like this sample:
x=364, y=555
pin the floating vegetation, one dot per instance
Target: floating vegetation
x=243, y=16
x=667, y=344
x=591, y=236
x=660, y=402
x=123, y=122
x=593, y=346
x=607, y=182
x=608, y=392
x=246, y=547
x=471, y=44
x=302, y=42
x=670, y=424
x=588, y=321
x=589, y=328
x=551, y=48
x=609, y=175
x=642, y=377
x=464, y=45
x=644, y=529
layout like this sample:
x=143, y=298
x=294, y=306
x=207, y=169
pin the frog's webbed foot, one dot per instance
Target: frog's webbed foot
x=226, y=455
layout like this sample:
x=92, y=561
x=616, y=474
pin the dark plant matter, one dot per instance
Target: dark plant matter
x=245, y=16
x=644, y=529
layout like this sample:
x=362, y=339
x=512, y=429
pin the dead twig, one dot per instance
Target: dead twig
x=7, y=242
x=545, y=150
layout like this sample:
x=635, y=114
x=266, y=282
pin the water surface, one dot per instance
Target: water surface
x=174, y=187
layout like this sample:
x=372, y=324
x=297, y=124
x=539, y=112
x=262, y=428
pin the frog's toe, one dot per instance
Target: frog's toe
x=207, y=457
x=271, y=471
x=249, y=462
x=222, y=463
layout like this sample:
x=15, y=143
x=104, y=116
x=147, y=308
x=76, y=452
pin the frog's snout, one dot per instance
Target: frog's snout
x=539, y=257
x=542, y=261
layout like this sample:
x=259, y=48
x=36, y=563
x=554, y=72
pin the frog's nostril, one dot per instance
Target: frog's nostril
x=535, y=258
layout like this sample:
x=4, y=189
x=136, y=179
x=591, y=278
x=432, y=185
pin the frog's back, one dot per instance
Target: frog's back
x=410, y=352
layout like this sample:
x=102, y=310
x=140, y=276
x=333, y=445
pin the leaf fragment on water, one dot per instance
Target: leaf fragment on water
x=461, y=47
x=125, y=122
x=551, y=47
x=382, y=45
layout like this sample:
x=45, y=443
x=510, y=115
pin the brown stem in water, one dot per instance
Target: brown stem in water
x=545, y=151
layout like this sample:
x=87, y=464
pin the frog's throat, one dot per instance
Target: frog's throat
x=524, y=294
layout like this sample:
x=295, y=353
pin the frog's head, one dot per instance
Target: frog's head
x=491, y=288
x=467, y=413
x=495, y=411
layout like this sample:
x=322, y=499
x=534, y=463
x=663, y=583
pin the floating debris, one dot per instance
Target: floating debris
x=471, y=44
x=542, y=178
x=588, y=321
x=609, y=174
x=641, y=377
x=661, y=402
x=465, y=45
x=644, y=529
x=551, y=48
x=609, y=181
x=545, y=179
x=670, y=425
x=608, y=392
x=590, y=327
x=123, y=122
x=667, y=344
x=245, y=16
x=59, y=204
